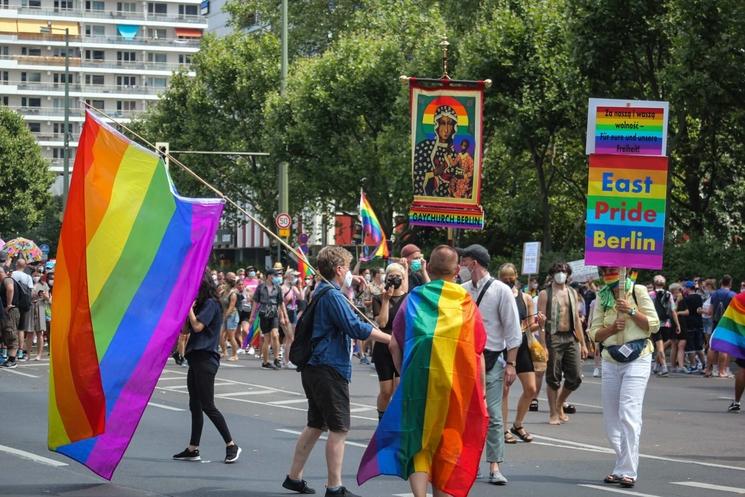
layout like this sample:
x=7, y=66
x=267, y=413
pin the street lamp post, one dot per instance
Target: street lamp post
x=66, y=124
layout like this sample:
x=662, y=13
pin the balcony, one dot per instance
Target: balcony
x=115, y=40
x=57, y=112
x=87, y=89
x=108, y=14
x=44, y=60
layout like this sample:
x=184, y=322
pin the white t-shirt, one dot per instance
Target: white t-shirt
x=499, y=314
x=23, y=279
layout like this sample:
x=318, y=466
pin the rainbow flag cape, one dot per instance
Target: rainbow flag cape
x=131, y=256
x=254, y=332
x=436, y=421
x=372, y=232
x=729, y=335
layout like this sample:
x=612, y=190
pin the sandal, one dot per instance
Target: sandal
x=522, y=433
x=533, y=405
x=627, y=482
x=611, y=478
x=509, y=439
x=570, y=408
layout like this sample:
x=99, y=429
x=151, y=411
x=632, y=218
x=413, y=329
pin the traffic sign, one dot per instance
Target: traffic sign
x=284, y=232
x=283, y=220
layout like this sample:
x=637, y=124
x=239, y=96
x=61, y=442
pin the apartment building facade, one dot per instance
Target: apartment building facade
x=122, y=56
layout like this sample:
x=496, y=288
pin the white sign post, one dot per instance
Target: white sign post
x=531, y=258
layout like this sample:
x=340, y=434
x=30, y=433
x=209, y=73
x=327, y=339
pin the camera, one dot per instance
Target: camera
x=393, y=281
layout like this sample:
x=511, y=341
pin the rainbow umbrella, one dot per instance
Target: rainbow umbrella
x=23, y=247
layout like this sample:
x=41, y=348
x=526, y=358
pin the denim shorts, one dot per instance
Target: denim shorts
x=231, y=322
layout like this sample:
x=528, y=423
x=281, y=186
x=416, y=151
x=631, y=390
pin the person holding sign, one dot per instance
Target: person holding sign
x=623, y=325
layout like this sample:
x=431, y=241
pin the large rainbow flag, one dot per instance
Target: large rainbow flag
x=436, y=421
x=254, y=331
x=729, y=335
x=131, y=256
x=372, y=232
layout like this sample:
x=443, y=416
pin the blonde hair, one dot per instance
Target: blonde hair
x=506, y=267
x=330, y=257
x=395, y=266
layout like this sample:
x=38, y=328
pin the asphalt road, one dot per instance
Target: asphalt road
x=690, y=445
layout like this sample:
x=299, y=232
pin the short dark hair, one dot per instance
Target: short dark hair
x=726, y=280
x=560, y=267
x=330, y=257
x=442, y=261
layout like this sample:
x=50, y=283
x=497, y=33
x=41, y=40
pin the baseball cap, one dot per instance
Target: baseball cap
x=476, y=252
x=689, y=284
x=409, y=249
x=271, y=272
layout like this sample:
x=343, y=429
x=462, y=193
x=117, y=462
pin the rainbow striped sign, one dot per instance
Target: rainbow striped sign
x=626, y=211
x=626, y=127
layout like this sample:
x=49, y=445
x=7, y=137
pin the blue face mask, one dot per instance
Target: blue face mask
x=416, y=265
x=252, y=274
x=277, y=280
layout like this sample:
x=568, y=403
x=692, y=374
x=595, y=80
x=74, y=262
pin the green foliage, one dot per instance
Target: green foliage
x=26, y=178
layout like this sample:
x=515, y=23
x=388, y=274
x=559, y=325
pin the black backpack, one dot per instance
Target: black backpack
x=662, y=307
x=24, y=296
x=302, y=347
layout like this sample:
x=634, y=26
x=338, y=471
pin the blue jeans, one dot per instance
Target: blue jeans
x=495, y=434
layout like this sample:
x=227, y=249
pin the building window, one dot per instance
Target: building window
x=30, y=102
x=34, y=127
x=126, y=56
x=159, y=58
x=157, y=8
x=31, y=77
x=184, y=58
x=159, y=83
x=97, y=104
x=94, y=55
x=4, y=77
x=33, y=4
x=58, y=153
x=188, y=10
x=4, y=51
x=59, y=128
x=126, y=105
x=33, y=52
x=63, y=4
x=94, y=79
x=60, y=52
x=59, y=78
x=5, y=101
x=158, y=34
x=126, y=6
x=95, y=5
x=95, y=30
x=126, y=81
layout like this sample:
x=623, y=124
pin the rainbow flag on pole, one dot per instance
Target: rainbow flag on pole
x=372, y=232
x=729, y=336
x=436, y=421
x=131, y=256
x=302, y=267
x=252, y=337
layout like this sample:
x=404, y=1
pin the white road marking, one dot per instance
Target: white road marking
x=591, y=406
x=240, y=394
x=617, y=490
x=323, y=437
x=583, y=446
x=562, y=446
x=709, y=486
x=288, y=401
x=361, y=409
x=180, y=378
x=32, y=457
x=168, y=408
x=224, y=365
x=15, y=371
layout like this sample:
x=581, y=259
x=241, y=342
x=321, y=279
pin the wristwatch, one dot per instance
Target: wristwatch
x=631, y=312
x=511, y=363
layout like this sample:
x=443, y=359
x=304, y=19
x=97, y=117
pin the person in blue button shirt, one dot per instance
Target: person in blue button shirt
x=328, y=372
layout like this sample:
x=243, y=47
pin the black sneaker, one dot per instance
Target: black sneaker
x=11, y=364
x=188, y=455
x=734, y=407
x=232, y=453
x=178, y=358
x=277, y=364
x=268, y=365
x=299, y=486
x=342, y=491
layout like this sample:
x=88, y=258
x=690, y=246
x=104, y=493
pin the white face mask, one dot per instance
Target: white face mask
x=465, y=274
x=560, y=278
x=36, y=279
x=368, y=278
x=348, y=279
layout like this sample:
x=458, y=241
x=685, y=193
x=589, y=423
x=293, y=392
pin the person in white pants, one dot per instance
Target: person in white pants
x=623, y=326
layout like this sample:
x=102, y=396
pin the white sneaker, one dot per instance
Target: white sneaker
x=251, y=351
x=596, y=373
x=290, y=365
x=715, y=371
x=241, y=352
x=497, y=478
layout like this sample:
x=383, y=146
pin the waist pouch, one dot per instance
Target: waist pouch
x=490, y=358
x=627, y=352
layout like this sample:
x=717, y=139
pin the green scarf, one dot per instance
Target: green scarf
x=607, y=294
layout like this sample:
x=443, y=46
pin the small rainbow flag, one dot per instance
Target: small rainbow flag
x=131, y=256
x=372, y=232
x=254, y=332
x=302, y=267
x=436, y=422
x=729, y=335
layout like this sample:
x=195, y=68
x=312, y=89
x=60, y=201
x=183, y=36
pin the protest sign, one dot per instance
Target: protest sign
x=626, y=197
x=626, y=127
x=582, y=273
x=531, y=257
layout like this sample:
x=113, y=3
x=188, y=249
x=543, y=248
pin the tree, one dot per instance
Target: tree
x=26, y=178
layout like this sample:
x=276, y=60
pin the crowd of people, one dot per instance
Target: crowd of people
x=532, y=333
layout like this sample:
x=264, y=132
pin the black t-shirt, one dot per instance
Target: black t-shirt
x=207, y=340
x=395, y=305
x=693, y=302
x=267, y=297
x=3, y=297
x=415, y=280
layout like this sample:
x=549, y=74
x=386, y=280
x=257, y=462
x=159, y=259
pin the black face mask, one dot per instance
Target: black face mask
x=510, y=284
x=393, y=281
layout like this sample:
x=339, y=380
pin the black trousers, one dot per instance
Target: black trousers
x=201, y=384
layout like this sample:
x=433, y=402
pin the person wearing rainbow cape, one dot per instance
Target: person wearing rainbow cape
x=435, y=426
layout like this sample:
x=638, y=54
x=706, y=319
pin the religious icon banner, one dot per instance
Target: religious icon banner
x=446, y=153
